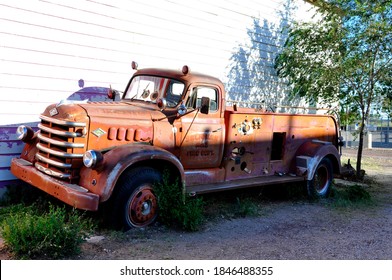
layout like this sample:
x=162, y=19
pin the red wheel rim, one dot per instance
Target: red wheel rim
x=142, y=207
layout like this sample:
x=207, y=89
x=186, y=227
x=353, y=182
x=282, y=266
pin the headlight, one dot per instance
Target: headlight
x=25, y=133
x=91, y=158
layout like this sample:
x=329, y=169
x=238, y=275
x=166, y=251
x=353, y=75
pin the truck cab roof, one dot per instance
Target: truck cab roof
x=187, y=77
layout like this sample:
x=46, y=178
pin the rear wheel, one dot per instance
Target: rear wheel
x=135, y=204
x=320, y=185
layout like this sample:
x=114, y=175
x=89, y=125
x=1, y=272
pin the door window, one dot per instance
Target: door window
x=197, y=93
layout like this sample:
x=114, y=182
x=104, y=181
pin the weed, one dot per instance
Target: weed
x=118, y=235
x=6, y=212
x=353, y=195
x=56, y=234
x=191, y=214
x=245, y=207
x=175, y=209
x=233, y=204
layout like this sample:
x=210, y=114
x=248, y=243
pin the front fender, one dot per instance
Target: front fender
x=311, y=153
x=103, y=179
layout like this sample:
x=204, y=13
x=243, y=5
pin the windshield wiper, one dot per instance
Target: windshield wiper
x=133, y=97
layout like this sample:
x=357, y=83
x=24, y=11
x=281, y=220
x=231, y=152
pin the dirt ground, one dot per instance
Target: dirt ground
x=286, y=230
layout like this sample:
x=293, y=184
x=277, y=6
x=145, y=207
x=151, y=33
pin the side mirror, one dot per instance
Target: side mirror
x=205, y=105
x=182, y=109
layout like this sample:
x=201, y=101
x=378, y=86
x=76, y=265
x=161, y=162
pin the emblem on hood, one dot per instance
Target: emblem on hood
x=98, y=132
x=53, y=112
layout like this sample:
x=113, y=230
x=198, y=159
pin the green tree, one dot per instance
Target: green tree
x=344, y=57
x=387, y=101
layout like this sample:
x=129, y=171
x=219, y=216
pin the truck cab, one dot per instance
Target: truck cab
x=88, y=154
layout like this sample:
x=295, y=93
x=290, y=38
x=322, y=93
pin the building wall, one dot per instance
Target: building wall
x=52, y=49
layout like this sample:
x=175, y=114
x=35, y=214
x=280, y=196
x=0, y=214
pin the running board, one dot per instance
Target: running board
x=243, y=183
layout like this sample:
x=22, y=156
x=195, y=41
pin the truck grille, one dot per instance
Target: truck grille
x=61, y=147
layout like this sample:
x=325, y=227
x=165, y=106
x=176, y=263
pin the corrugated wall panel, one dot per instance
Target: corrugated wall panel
x=47, y=47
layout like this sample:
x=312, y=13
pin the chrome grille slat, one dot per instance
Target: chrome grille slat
x=53, y=162
x=59, y=132
x=60, y=148
x=57, y=153
x=60, y=143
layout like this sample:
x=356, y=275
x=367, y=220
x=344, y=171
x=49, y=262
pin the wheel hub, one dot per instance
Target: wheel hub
x=143, y=207
x=146, y=208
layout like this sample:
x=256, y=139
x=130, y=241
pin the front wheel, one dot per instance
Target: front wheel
x=320, y=185
x=135, y=204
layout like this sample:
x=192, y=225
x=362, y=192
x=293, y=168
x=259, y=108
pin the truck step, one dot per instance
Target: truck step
x=243, y=183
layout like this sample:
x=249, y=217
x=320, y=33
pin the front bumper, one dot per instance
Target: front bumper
x=71, y=194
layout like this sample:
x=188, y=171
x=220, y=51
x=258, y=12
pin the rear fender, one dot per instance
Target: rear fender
x=311, y=153
x=103, y=179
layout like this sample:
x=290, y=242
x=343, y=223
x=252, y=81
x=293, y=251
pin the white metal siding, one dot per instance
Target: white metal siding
x=48, y=46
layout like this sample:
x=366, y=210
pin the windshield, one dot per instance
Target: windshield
x=150, y=88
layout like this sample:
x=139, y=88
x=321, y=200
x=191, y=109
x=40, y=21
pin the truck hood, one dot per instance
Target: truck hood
x=78, y=110
x=121, y=110
x=110, y=124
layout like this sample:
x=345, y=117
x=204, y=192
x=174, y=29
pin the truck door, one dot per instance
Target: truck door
x=200, y=136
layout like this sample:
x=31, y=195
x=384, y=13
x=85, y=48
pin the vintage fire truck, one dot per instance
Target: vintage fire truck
x=93, y=153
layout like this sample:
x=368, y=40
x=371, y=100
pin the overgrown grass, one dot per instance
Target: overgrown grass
x=252, y=202
x=177, y=209
x=40, y=229
x=245, y=207
x=350, y=196
x=56, y=234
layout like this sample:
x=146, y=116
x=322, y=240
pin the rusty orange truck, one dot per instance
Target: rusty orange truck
x=88, y=154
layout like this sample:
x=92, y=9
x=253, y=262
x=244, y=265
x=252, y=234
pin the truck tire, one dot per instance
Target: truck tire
x=135, y=204
x=320, y=185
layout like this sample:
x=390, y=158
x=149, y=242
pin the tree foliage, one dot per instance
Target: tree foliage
x=343, y=57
